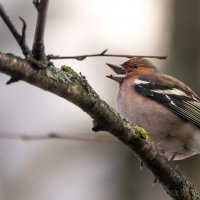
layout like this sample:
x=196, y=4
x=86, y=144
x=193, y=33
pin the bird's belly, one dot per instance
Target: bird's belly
x=152, y=116
x=166, y=129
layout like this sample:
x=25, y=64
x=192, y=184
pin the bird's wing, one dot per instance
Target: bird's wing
x=171, y=93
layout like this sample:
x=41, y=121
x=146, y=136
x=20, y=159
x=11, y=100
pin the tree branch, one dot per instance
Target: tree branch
x=74, y=88
x=19, y=38
x=38, y=49
x=102, y=54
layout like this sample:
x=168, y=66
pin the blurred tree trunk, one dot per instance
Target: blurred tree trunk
x=185, y=42
x=184, y=60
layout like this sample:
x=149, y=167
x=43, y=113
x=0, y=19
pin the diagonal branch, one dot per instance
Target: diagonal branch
x=19, y=38
x=38, y=49
x=102, y=54
x=74, y=88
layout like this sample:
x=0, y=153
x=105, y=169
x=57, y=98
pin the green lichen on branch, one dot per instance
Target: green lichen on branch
x=140, y=132
x=66, y=75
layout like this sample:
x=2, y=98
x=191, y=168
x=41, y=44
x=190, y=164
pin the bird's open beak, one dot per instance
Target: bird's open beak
x=120, y=72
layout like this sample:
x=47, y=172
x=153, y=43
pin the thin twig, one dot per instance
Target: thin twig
x=19, y=38
x=76, y=137
x=38, y=49
x=23, y=28
x=103, y=53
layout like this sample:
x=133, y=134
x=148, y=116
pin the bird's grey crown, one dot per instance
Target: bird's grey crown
x=147, y=63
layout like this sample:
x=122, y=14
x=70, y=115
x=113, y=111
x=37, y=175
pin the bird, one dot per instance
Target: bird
x=164, y=106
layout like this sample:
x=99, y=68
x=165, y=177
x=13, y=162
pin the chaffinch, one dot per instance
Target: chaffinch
x=164, y=106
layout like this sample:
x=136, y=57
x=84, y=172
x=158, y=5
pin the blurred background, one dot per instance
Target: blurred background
x=95, y=170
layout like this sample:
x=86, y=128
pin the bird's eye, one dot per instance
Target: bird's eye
x=135, y=65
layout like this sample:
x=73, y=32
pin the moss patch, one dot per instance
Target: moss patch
x=140, y=132
x=69, y=70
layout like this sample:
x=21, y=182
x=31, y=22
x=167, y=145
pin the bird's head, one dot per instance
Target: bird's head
x=132, y=67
